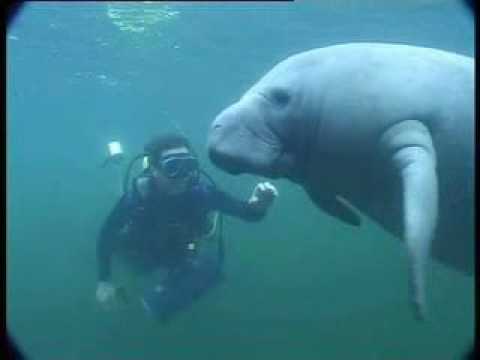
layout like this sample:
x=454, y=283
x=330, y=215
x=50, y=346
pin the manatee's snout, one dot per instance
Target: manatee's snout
x=224, y=160
x=216, y=137
x=221, y=151
x=239, y=142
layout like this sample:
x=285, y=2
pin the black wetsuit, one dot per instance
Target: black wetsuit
x=157, y=228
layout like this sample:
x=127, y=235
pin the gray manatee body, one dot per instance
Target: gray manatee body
x=384, y=130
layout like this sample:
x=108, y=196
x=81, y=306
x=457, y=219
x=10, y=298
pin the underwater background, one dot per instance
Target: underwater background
x=299, y=285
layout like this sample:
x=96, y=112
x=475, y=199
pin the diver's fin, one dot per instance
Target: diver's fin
x=337, y=207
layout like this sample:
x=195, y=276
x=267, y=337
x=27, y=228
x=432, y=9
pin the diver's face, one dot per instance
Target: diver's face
x=174, y=171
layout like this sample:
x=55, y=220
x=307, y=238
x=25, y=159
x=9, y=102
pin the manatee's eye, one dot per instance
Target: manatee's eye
x=280, y=96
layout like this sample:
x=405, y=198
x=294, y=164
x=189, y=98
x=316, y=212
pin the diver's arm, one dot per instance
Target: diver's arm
x=116, y=226
x=254, y=209
x=106, y=241
x=116, y=223
x=105, y=292
x=230, y=205
x=109, y=236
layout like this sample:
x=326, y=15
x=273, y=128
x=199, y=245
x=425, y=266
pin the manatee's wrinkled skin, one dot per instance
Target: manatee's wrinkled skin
x=385, y=130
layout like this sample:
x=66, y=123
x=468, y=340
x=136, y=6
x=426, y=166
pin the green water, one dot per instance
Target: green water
x=299, y=285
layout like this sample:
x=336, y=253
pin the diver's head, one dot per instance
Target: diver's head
x=173, y=164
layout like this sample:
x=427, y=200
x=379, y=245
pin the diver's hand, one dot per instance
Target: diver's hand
x=106, y=294
x=263, y=195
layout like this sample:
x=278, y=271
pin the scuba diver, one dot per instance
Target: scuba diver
x=163, y=224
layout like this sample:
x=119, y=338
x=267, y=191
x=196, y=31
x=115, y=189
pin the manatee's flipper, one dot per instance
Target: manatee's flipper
x=409, y=147
x=333, y=206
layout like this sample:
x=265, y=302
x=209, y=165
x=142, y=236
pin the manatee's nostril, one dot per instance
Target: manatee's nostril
x=216, y=126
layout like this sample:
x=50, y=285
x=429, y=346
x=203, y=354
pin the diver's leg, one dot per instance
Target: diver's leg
x=184, y=285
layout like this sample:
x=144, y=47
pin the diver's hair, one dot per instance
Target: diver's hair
x=160, y=143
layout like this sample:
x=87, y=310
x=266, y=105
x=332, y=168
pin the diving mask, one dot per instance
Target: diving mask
x=178, y=165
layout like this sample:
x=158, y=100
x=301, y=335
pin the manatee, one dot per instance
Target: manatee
x=367, y=129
